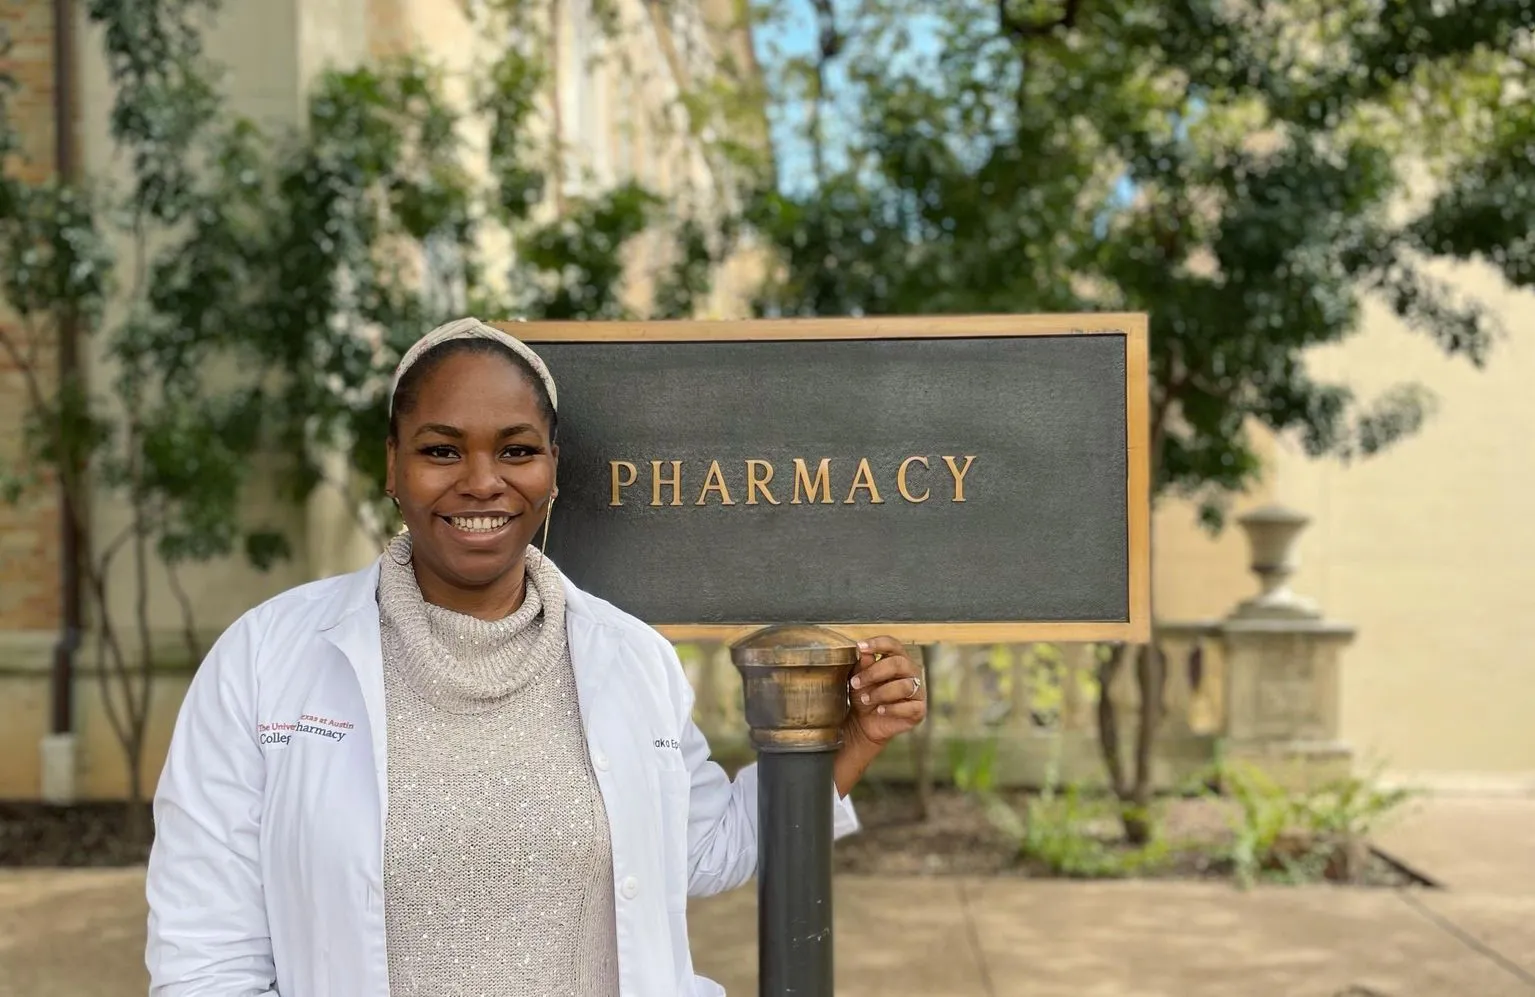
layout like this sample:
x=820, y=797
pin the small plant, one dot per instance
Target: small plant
x=973, y=764
x=1300, y=837
x=1077, y=836
x=1071, y=834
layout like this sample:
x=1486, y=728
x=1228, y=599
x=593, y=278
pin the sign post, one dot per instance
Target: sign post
x=968, y=479
x=794, y=679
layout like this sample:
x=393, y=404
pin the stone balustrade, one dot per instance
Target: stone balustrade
x=1260, y=684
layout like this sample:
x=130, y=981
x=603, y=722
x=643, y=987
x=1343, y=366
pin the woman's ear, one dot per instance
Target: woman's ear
x=389, y=452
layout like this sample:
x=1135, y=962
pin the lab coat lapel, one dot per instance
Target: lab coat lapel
x=589, y=657
x=353, y=628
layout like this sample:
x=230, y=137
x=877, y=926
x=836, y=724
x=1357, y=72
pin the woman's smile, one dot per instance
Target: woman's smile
x=480, y=523
x=481, y=532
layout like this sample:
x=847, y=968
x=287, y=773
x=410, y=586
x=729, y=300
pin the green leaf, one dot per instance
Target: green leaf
x=264, y=548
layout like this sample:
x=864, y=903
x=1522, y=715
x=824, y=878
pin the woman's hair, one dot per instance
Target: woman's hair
x=409, y=387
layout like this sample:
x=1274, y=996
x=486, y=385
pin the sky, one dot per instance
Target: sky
x=794, y=32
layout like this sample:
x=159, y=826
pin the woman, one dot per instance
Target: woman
x=454, y=772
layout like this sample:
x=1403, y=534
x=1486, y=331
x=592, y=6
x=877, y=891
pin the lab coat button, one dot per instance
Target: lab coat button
x=601, y=761
x=631, y=888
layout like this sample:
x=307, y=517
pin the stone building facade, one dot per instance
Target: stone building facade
x=617, y=118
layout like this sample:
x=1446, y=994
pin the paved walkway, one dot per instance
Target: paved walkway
x=1003, y=938
x=1468, y=844
x=81, y=933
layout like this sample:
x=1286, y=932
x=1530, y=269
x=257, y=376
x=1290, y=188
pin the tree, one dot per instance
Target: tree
x=171, y=454
x=250, y=292
x=1246, y=173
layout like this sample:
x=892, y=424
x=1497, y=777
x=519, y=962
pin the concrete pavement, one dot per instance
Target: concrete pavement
x=80, y=933
x=1018, y=938
x=1472, y=844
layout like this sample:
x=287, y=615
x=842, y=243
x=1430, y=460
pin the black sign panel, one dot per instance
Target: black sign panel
x=951, y=478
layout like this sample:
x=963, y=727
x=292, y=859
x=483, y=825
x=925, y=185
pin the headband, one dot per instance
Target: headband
x=472, y=328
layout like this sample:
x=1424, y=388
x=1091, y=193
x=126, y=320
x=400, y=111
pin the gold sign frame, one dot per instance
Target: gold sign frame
x=1131, y=325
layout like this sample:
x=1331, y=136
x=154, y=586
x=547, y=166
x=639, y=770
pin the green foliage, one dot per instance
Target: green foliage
x=1064, y=831
x=249, y=291
x=301, y=265
x=972, y=764
x=1301, y=837
x=1075, y=836
x=575, y=262
x=1275, y=834
x=169, y=455
x=1239, y=171
x=1249, y=174
x=683, y=289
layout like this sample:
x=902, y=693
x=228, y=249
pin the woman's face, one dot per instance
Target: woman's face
x=473, y=470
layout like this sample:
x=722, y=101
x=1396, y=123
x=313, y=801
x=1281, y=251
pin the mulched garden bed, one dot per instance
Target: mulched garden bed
x=85, y=834
x=958, y=838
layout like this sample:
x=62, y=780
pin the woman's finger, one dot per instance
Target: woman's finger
x=902, y=687
x=907, y=709
x=884, y=670
x=881, y=646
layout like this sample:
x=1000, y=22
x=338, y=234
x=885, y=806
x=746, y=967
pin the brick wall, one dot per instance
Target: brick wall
x=29, y=530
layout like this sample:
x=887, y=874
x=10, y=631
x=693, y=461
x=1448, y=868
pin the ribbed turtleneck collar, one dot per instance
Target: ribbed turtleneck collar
x=458, y=662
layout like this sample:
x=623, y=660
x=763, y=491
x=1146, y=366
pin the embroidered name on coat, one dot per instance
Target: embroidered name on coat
x=308, y=724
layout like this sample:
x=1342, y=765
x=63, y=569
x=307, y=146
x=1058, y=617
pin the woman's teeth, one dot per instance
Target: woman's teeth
x=479, y=524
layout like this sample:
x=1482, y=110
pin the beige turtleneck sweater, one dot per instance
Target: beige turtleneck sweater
x=498, y=867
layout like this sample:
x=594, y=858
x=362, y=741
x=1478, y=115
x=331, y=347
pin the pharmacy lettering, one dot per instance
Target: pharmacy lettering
x=310, y=724
x=916, y=479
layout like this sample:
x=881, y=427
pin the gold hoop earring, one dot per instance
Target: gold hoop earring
x=548, y=515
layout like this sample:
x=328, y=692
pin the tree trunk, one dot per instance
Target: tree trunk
x=138, y=824
x=1108, y=722
x=1151, y=676
x=1134, y=789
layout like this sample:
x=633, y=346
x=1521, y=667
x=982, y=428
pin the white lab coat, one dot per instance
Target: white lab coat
x=266, y=876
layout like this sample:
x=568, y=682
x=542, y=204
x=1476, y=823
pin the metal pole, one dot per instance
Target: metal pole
x=794, y=930
x=61, y=679
x=795, y=684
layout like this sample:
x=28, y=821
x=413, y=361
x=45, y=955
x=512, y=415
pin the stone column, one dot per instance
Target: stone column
x=1282, y=658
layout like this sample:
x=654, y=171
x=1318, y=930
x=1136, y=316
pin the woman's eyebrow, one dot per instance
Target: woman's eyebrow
x=440, y=429
x=453, y=432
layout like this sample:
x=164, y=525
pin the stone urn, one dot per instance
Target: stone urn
x=1271, y=534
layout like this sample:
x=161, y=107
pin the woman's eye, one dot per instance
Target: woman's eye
x=439, y=453
x=517, y=453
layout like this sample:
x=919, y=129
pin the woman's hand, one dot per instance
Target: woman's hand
x=888, y=698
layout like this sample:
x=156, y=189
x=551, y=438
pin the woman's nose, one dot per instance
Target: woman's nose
x=482, y=478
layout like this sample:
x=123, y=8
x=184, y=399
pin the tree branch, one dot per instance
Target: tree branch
x=831, y=39
x=23, y=363
x=831, y=43
x=1151, y=676
x=184, y=602
x=107, y=644
x=1108, y=721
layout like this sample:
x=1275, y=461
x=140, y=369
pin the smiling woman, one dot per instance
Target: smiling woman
x=471, y=465
x=528, y=804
